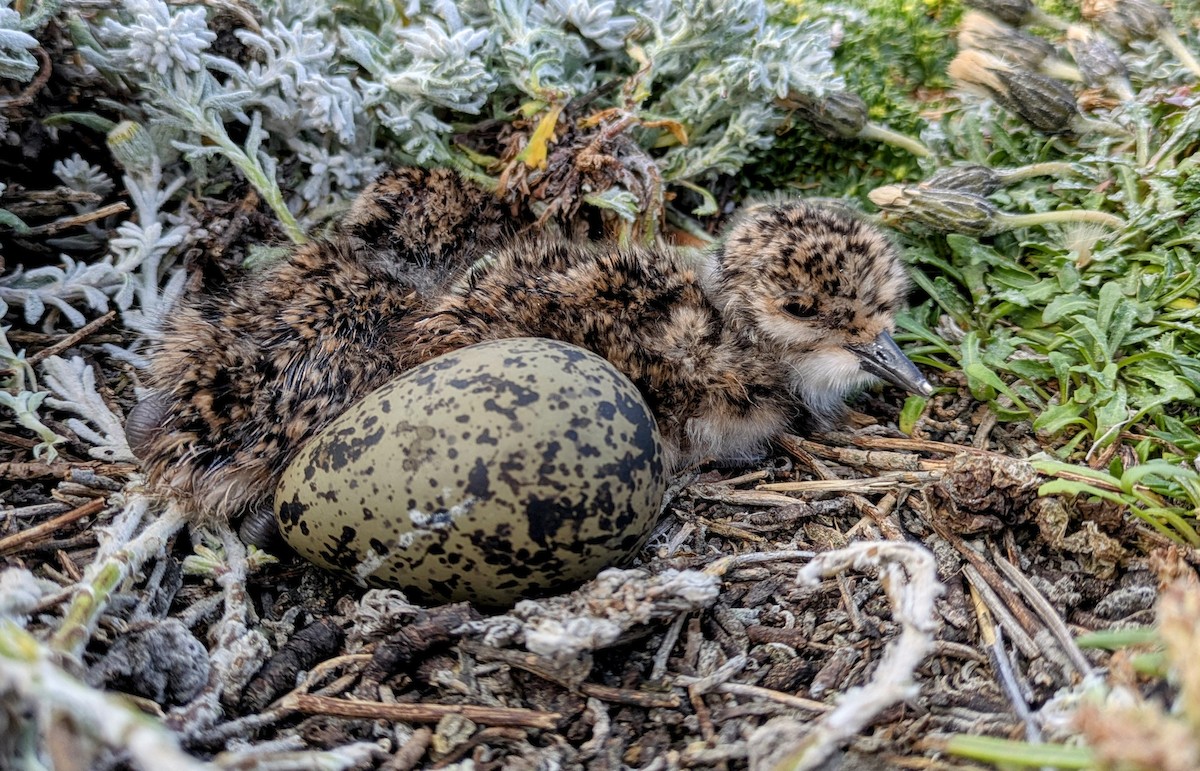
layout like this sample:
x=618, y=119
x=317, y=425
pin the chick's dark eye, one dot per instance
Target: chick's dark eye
x=801, y=309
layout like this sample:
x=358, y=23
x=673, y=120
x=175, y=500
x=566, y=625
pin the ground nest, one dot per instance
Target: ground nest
x=711, y=651
x=863, y=599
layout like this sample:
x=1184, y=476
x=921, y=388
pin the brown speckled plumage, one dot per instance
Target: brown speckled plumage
x=729, y=346
x=249, y=374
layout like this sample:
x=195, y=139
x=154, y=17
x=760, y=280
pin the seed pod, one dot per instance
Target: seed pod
x=1097, y=59
x=1045, y=103
x=1127, y=20
x=947, y=211
x=984, y=32
x=131, y=146
x=971, y=178
x=838, y=115
x=1014, y=12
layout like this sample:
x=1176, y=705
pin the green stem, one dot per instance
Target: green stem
x=1012, y=221
x=709, y=207
x=689, y=226
x=1142, y=136
x=1084, y=125
x=89, y=603
x=1046, y=169
x=999, y=751
x=266, y=186
x=1170, y=38
x=895, y=139
x=468, y=169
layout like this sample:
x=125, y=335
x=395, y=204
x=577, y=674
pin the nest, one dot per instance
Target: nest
x=861, y=596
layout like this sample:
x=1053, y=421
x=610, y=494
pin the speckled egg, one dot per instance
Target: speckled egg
x=503, y=470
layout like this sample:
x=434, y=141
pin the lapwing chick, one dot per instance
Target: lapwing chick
x=243, y=377
x=788, y=314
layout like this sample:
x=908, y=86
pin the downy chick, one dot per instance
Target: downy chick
x=242, y=379
x=785, y=317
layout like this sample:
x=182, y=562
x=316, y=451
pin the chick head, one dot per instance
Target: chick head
x=821, y=288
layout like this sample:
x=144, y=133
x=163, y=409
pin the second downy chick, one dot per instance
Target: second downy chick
x=242, y=378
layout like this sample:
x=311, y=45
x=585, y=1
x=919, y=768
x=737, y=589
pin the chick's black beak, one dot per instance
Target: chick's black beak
x=883, y=358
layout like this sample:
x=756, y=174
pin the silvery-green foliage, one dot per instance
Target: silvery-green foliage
x=73, y=385
x=24, y=406
x=726, y=146
x=20, y=396
x=16, y=61
x=544, y=58
x=415, y=68
x=154, y=37
x=57, y=287
x=16, y=370
x=144, y=248
x=297, y=79
x=77, y=174
x=344, y=169
x=599, y=22
x=140, y=258
x=184, y=93
x=720, y=66
x=616, y=199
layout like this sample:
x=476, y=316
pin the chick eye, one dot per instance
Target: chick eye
x=801, y=309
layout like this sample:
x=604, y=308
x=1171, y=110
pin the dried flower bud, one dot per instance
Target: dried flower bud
x=947, y=211
x=1014, y=12
x=837, y=115
x=1097, y=59
x=1127, y=19
x=971, y=178
x=132, y=146
x=984, y=32
x=1045, y=103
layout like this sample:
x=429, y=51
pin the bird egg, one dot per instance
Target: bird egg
x=502, y=470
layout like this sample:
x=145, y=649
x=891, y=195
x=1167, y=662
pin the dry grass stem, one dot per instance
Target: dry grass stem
x=419, y=713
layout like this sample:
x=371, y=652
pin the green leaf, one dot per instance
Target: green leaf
x=1115, y=639
x=1059, y=416
x=910, y=413
x=982, y=381
x=1068, y=277
x=1066, y=305
x=946, y=296
x=1111, y=415
x=1032, y=370
x=1099, y=346
x=1158, y=468
x=1021, y=754
x=1055, y=467
x=89, y=120
x=13, y=221
x=1074, y=487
